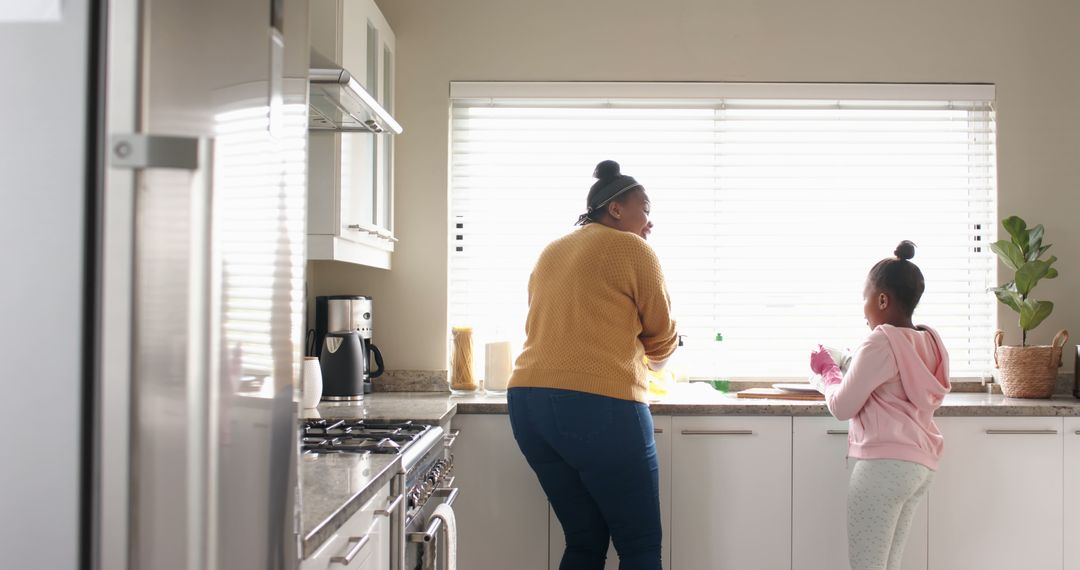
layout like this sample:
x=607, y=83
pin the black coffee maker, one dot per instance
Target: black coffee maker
x=344, y=313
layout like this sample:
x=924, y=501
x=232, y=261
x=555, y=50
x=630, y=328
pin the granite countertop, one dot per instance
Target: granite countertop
x=334, y=486
x=426, y=407
x=686, y=400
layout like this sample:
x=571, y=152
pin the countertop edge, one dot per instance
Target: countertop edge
x=325, y=529
x=1006, y=407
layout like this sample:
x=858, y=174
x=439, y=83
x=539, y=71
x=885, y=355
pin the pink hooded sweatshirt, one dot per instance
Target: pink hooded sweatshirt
x=897, y=379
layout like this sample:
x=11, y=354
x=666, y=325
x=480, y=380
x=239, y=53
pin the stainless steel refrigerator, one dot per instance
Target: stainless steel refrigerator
x=200, y=290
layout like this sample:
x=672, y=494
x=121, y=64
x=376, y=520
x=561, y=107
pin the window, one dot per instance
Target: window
x=771, y=203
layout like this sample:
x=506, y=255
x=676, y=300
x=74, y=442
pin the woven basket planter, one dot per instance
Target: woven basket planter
x=1028, y=371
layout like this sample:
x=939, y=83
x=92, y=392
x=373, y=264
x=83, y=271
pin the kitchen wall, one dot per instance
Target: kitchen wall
x=1028, y=49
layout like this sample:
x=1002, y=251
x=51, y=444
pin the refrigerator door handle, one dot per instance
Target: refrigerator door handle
x=139, y=151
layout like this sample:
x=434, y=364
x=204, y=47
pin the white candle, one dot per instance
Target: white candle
x=498, y=364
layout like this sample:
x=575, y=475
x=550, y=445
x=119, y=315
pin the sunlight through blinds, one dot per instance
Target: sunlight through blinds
x=769, y=211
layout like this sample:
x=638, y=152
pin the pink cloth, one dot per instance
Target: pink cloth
x=897, y=379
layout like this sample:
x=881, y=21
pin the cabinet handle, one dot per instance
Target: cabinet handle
x=451, y=437
x=385, y=235
x=1021, y=432
x=661, y=430
x=139, y=151
x=392, y=507
x=836, y=431
x=718, y=432
x=1078, y=432
x=381, y=234
x=358, y=543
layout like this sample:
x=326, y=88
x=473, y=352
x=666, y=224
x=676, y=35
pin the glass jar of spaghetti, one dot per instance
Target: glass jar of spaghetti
x=462, y=370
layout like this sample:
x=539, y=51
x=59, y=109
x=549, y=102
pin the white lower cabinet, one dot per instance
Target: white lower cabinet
x=731, y=493
x=1072, y=494
x=362, y=543
x=501, y=512
x=820, y=472
x=996, y=501
x=769, y=492
x=662, y=429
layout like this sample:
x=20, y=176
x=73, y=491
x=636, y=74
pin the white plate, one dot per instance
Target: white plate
x=795, y=387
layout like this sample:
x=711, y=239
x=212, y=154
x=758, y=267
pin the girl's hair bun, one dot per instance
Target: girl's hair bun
x=906, y=250
x=606, y=170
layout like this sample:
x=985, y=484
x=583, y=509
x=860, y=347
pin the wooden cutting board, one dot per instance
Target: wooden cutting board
x=774, y=394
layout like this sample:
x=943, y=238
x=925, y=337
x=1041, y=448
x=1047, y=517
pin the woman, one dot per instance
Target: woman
x=598, y=308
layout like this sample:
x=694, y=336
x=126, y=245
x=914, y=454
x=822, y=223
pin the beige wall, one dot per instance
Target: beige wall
x=1027, y=48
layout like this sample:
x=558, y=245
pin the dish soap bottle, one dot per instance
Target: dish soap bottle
x=720, y=380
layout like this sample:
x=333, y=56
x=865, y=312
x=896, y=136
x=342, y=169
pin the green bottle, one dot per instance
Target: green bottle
x=720, y=380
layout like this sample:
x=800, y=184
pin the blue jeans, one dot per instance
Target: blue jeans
x=595, y=457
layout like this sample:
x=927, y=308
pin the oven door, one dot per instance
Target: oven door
x=428, y=537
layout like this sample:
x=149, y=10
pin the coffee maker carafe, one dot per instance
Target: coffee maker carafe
x=348, y=313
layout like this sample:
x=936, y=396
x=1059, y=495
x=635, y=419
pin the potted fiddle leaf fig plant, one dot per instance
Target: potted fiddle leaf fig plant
x=1026, y=371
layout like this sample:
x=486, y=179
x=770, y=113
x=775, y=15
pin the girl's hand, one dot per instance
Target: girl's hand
x=821, y=361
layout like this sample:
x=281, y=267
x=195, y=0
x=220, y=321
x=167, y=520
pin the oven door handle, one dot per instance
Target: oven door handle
x=432, y=530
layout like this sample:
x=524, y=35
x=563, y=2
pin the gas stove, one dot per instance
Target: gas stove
x=360, y=436
x=425, y=479
x=426, y=462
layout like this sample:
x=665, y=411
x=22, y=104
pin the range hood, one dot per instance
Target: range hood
x=339, y=103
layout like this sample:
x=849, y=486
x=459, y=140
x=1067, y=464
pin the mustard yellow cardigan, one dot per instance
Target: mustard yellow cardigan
x=597, y=304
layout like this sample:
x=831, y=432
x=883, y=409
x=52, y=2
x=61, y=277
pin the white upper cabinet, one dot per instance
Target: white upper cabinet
x=350, y=170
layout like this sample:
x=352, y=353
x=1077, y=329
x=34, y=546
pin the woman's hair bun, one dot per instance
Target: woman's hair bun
x=606, y=170
x=906, y=250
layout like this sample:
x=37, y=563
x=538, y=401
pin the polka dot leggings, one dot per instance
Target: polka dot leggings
x=882, y=497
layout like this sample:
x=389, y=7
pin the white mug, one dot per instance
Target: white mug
x=312, y=382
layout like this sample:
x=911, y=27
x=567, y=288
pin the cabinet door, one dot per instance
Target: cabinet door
x=731, y=493
x=662, y=428
x=361, y=543
x=386, y=56
x=350, y=174
x=501, y=512
x=820, y=473
x=1072, y=493
x=996, y=501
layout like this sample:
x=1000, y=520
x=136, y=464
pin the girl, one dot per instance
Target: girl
x=897, y=378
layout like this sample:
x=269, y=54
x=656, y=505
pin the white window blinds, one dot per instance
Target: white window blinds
x=769, y=205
